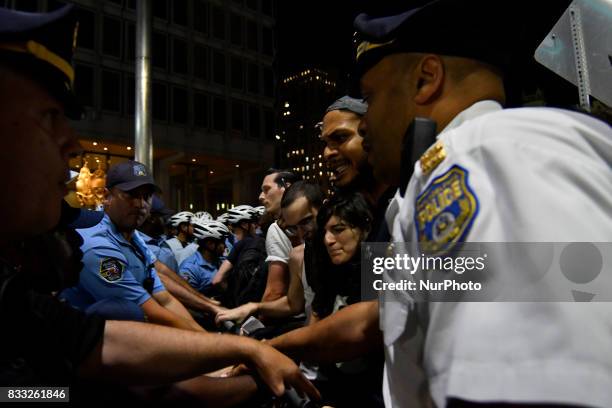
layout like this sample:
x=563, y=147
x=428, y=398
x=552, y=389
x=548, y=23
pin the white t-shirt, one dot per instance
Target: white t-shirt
x=278, y=245
x=537, y=175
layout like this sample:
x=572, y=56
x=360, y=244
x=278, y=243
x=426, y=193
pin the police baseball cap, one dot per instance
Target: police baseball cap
x=129, y=175
x=41, y=46
x=78, y=217
x=501, y=34
x=159, y=207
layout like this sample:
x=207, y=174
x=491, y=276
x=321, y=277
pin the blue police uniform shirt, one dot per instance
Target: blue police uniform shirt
x=198, y=272
x=161, y=250
x=113, y=267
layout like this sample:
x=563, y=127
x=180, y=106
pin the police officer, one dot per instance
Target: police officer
x=153, y=232
x=119, y=269
x=52, y=343
x=200, y=268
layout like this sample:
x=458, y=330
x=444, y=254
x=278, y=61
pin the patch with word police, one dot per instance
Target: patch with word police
x=445, y=211
x=111, y=269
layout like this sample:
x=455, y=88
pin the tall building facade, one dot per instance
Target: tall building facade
x=303, y=98
x=213, y=93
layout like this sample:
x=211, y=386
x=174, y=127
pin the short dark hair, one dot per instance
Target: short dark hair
x=302, y=188
x=349, y=207
x=284, y=178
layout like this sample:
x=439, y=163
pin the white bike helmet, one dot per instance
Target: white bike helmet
x=180, y=217
x=240, y=213
x=209, y=229
x=203, y=215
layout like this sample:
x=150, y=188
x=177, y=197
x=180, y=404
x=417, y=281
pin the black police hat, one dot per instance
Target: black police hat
x=500, y=33
x=41, y=45
x=129, y=175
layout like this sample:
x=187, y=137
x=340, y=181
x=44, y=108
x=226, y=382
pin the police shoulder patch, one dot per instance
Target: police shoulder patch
x=445, y=211
x=111, y=269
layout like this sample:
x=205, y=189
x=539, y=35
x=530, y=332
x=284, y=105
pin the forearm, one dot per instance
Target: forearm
x=184, y=319
x=218, y=392
x=221, y=274
x=278, y=308
x=347, y=334
x=277, y=283
x=139, y=353
x=188, y=296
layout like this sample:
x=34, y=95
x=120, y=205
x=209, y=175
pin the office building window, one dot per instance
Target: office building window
x=268, y=79
x=179, y=56
x=111, y=91
x=219, y=114
x=200, y=61
x=86, y=37
x=254, y=121
x=200, y=16
x=237, y=115
x=179, y=12
x=160, y=101
x=130, y=41
x=159, y=45
x=237, y=73
x=180, y=106
x=218, y=23
x=252, y=35
x=200, y=110
x=219, y=67
x=160, y=9
x=111, y=37
x=84, y=84
x=253, y=78
x=236, y=24
x=130, y=90
x=267, y=41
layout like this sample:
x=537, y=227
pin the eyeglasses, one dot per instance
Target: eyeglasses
x=307, y=224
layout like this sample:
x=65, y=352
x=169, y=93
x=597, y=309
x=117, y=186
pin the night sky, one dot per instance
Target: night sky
x=316, y=33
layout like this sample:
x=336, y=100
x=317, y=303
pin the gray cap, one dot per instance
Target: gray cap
x=347, y=103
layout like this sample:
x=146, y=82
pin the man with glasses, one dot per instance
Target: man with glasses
x=119, y=280
x=299, y=208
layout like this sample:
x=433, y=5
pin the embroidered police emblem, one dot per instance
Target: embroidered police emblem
x=111, y=269
x=140, y=170
x=445, y=211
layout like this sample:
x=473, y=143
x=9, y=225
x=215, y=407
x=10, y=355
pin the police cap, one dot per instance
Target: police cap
x=493, y=32
x=41, y=45
x=129, y=175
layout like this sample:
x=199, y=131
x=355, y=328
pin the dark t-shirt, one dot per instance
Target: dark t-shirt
x=43, y=341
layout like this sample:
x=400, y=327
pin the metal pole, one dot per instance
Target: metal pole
x=143, y=146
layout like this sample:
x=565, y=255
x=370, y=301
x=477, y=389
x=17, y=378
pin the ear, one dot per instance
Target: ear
x=430, y=73
x=107, y=196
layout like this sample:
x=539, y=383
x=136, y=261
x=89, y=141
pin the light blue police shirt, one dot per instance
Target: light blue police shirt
x=113, y=267
x=198, y=272
x=161, y=250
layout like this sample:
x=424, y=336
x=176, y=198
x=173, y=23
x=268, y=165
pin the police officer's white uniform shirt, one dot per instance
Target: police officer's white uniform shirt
x=537, y=175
